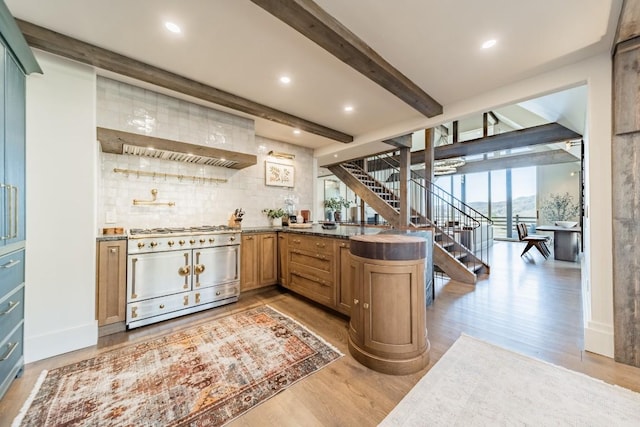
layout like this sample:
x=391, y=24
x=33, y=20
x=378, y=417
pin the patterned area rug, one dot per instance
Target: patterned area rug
x=479, y=384
x=204, y=376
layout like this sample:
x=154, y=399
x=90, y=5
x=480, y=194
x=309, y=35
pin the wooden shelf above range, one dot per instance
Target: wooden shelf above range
x=120, y=142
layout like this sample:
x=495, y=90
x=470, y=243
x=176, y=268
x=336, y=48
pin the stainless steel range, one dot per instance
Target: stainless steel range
x=176, y=271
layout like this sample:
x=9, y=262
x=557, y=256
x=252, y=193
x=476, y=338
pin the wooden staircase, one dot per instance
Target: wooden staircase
x=449, y=256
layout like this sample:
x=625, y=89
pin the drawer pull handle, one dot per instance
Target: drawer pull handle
x=249, y=237
x=134, y=312
x=12, y=306
x=355, y=302
x=365, y=305
x=198, y=298
x=186, y=300
x=161, y=306
x=11, y=263
x=12, y=348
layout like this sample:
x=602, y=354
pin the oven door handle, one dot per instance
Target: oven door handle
x=133, y=278
x=185, y=270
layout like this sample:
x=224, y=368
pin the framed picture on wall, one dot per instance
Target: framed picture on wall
x=278, y=175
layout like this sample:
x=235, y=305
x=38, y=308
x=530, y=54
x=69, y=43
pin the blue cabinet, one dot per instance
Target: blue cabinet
x=12, y=217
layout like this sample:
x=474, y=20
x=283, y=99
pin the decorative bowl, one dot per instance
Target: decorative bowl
x=566, y=224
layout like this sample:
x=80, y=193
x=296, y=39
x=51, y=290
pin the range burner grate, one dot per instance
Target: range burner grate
x=169, y=230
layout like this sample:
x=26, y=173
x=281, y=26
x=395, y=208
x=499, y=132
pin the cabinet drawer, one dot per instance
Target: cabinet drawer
x=157, y=306
x=10, y=357
x=310, y=243
x=214, y=293
x=312, y=287
x=11, y=311
x=323, y=263
x=11, y=272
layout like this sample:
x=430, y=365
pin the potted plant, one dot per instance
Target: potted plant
x=275, y=215
x=335, y=205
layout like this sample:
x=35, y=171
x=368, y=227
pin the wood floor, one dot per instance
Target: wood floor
x=528, y=304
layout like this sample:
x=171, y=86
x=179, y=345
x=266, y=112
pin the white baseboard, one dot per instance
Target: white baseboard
x=59, y=342
x=598, y=338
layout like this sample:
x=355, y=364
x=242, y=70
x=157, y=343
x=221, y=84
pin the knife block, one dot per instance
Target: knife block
x=235, y=221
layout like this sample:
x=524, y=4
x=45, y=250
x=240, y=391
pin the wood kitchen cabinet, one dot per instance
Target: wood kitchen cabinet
x=344, y=278
x=283, y=263
x=111, y=286
x=259, y=260
x=387, y=329
x=312, y=266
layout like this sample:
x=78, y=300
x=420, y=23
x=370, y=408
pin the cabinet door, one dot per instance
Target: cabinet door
x=268, y=261
x=392, y=317
x=283, y=262
x=343, y=280
x=14, y=160
x=112, y=282
x=4, y=190
x=249, y=262
x=215, y=266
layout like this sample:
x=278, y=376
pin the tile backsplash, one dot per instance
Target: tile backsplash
x=197, y=202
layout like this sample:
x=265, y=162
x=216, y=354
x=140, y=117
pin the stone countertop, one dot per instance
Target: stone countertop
x=110, y=237
x=340, y=232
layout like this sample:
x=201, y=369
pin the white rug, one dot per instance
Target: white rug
x=479, y=384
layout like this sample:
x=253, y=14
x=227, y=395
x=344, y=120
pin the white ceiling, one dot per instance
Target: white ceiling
x=236, y=46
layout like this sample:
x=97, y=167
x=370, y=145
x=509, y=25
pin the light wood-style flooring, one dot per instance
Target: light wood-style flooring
x=527, y=304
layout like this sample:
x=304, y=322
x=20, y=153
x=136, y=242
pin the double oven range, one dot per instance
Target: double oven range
x=176, y=271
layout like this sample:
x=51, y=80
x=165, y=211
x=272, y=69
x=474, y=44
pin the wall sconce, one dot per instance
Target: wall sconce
x=278, y=155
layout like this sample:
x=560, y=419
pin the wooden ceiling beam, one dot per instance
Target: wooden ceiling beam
x=68, y=47
x=551, y=157
x=313, y=22
x=543, y=134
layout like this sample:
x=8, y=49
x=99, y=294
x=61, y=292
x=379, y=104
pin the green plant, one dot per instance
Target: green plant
x=274, y=213
x=336, y=203
x=560, y=207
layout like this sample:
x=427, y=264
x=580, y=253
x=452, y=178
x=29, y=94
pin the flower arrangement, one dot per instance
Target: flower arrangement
x=336, y=203
x=274, y=213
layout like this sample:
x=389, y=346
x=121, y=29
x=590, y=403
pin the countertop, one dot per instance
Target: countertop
x=340, y=232
x=110, y=237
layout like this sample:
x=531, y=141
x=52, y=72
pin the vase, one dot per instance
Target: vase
x=276, y=222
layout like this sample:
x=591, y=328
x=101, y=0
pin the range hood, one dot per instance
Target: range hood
x=120, y=142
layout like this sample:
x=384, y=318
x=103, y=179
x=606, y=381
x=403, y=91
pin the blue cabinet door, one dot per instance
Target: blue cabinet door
x=3, y=190
x=14, y=152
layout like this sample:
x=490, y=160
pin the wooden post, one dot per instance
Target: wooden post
x=405, y=197
x=429, y=142
x=625, y=153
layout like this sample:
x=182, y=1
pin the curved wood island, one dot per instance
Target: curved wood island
x=387, y=330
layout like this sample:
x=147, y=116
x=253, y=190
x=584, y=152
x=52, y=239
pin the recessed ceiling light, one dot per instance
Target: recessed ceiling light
x=296, y=131
x=348, y=108
x=285, y=80
x=172, y=27
x=489, y=43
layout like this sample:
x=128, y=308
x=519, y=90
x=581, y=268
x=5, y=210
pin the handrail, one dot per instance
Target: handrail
x=458, y=226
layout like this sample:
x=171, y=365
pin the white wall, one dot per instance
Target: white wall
x=61, y=199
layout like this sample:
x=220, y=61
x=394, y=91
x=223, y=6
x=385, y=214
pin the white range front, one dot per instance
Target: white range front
x=173, y=272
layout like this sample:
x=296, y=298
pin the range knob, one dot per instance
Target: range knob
x=202, y=240
x=153, y=244
x=211, y=240
x=181, y=242
x=192, y=241
x=140, y=245
x=232, y=238
x=170, y=243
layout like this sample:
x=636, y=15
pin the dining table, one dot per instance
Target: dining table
x=565, y=241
